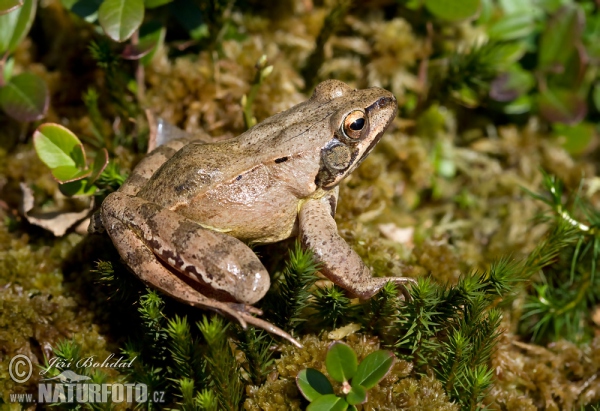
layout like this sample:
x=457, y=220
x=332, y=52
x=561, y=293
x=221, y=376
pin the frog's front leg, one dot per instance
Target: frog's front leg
x=189, y=263
x=338, y=261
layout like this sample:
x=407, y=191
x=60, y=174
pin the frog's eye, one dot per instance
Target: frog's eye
x=354, y=124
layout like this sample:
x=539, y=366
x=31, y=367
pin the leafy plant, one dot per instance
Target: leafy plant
x=64, y=154
x=565, y=291
x=23, y=97
x=355, y=379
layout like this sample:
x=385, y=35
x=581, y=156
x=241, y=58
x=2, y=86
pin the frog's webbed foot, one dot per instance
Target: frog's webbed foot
x=338, y=261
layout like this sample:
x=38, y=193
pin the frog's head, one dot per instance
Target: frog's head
x=360, y=119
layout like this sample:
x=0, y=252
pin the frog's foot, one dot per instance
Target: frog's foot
x=377, y=283
x=243, y=316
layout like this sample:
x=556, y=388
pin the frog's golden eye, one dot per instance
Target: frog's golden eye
x=354, y=124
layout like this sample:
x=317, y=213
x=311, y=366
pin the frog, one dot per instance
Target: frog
x=187, y=215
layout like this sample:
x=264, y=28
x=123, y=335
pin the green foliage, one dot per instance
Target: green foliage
x=23, y=97
x=566, y=288
x=332, y=306
x=342, y=365
x=64, y=154
x=6, y=6
x=227, y=381
x=121, y=18
x=290, y=295
x=256, y=346
x=454, y=330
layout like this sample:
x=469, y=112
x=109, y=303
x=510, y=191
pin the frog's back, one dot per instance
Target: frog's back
x=192, y=171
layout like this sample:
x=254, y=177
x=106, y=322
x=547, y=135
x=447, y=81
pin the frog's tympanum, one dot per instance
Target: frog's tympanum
x=182, y=219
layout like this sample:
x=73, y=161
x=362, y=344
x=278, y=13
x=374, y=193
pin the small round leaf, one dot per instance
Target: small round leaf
x=15, y=25
x=57, y=147
x=373, y=368
x=121, y=18
x=25, y=97
x=313, y=384
x=328, y=402
x=453, y=10
x=357, y=395
x=341, y=361
x=6, y=6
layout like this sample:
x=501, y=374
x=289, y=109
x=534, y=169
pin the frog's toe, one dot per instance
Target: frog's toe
x=402, y=282
x=243, y=314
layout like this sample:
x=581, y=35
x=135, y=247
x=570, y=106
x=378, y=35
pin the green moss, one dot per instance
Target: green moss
x=280, y=391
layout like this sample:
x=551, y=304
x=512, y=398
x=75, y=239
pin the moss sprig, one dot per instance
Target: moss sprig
x=222, y=365
x=565, y=286
x=291, y=296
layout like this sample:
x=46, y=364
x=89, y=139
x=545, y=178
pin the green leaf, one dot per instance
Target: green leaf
x=341, y=361
x=77, y=188
x=15, y=25
x=152, y=35
x=151, y=4
x=313, y=384
x=452, y=10
x=577, y=137
x=66, y=174
x=562, y=106
x=512, y=27
x=357, y=395
x=328, y=402
x=6, y=6
x=25, y=97
x=57, y=147
x=373, y=368
x=100, y=163
x=121, y=18
x=560, y=37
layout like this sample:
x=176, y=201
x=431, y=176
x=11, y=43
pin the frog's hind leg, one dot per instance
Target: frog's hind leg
x=137, y=247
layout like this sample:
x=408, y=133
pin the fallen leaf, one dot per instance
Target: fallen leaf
x=58, y=221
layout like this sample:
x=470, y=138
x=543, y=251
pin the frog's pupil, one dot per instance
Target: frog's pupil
x=358, y=124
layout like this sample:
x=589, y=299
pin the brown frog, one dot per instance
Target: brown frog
x=183, y=217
